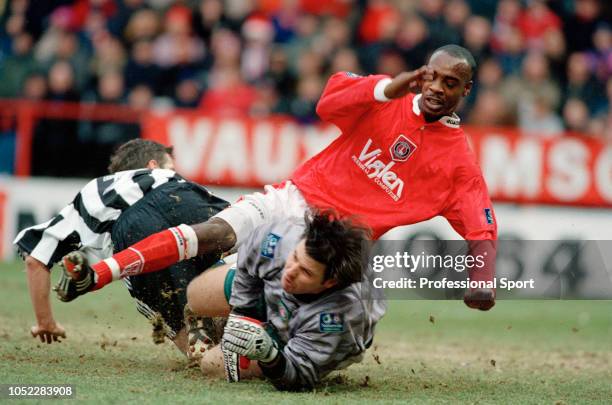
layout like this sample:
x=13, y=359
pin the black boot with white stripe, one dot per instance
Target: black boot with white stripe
x=77, y=278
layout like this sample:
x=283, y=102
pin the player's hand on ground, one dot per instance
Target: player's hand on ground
x=248, y=337
x=480, y=298
x=48, y=333
x=408, y=82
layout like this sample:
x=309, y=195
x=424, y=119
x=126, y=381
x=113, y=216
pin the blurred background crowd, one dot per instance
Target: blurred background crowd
x=544, y=66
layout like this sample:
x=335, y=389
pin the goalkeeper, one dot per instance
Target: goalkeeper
x=296, y=300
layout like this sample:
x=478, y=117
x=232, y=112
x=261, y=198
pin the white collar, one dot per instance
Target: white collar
x=451, y=122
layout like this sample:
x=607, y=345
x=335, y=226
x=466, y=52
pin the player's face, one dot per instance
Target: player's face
x=445, y=85
x=304, y=275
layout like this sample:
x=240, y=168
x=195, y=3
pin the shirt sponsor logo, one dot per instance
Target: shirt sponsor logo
x=488, y=215
x=402, y=148
x=330, y=322
x=268, y=246
x=379, y=171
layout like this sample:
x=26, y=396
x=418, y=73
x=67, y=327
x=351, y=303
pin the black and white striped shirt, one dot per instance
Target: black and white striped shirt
x=87, y=222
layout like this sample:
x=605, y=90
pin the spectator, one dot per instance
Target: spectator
x=537, y=118
x=477, y=36
x=391, y=63
x=511, y=51
x=208, y=18
x=140, y=68
x=140, y=97
x=489, y=77
x=489, y=109
x=102, y=137
x=553, y=46
x=303, y=107
x=345, y=60
x=55, y=139
x=280, y=74
x=109, y=56
x=258, y=34
x=535, y=81
x=413, y=41
x=336, y=34
x=600, y=57
x=432, y=12
x=379, y=21
x=187, y=93
x=580, y=26
x=582, y=84
x=456, y=13
x=60, y=44
x=505, y=22
x=17, y=67
x=177, y=45
x=601, y=125
x=306, y=30
x=35, y=87
x=535, y=21
x=284, y=19
x=576, y=115
x=143, y=25
x=118, y=22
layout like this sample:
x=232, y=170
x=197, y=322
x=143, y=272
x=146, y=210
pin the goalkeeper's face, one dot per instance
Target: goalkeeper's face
x=304, y=275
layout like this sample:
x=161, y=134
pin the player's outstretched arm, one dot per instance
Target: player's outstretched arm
x=482, y=298
x=39, y=285
x=408, y=82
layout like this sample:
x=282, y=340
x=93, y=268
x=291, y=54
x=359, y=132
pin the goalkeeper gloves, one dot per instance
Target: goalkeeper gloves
x=247, y=337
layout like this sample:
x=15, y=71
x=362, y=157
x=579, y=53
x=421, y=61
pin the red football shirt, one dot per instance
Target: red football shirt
x=389, y=167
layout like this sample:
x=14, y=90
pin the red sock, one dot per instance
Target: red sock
x=155, y=252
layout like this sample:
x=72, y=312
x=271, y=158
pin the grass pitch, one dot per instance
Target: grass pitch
x=551, y=352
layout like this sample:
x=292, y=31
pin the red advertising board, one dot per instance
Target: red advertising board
x=569, y=170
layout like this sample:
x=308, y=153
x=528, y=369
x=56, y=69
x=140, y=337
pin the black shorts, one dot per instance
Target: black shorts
x=163, y=293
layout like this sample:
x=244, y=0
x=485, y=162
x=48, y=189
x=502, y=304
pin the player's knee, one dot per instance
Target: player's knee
x=206, y=293
x=34, y=264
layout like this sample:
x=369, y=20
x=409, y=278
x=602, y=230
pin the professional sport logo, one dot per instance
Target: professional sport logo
x=369, y=160
x=401, y=149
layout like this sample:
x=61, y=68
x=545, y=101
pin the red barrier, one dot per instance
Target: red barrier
x=27, y=113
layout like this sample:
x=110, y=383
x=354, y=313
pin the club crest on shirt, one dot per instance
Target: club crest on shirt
x=331, y=322
x=268, y=246
x=488, y=215
x=402, y=148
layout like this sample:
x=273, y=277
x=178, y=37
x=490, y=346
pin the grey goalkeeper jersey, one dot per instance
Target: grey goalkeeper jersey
x=321, y=333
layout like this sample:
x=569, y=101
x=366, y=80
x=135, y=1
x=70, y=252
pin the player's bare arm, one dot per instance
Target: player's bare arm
x=39, y=285
x=482, y=298
x=214, y=236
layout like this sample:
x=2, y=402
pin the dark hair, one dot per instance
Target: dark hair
x=135, y=154
x=338, y=244
x=460, y=53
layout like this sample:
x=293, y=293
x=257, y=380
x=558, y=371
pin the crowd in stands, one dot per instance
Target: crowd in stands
x=544, y=66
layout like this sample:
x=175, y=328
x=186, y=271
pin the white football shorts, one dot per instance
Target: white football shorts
x=279, y=202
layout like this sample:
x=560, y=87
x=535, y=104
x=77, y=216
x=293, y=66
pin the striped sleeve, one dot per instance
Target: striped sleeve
x=87, y=221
